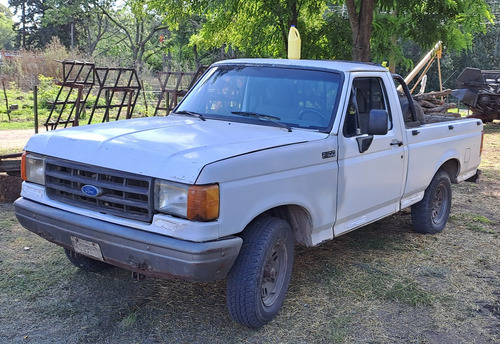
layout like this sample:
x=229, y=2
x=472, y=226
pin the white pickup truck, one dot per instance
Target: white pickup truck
x=259, y=156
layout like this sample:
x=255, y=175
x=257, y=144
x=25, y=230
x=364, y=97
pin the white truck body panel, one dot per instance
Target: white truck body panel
x=437, y=143
x=173, y=147
x=258, y=167
x=295, y=172
x=258, y=149
x=380, y=170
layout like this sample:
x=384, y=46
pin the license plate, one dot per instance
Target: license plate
x=87, y=248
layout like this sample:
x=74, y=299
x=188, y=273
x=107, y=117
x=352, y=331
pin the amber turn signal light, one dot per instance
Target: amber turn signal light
x=203, y=202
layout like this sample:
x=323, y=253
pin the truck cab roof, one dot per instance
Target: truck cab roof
x=333, y=65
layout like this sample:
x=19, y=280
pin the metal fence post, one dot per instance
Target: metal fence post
x=35, y=106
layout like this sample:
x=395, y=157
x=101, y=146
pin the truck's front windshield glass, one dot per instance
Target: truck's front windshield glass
x=297, y=98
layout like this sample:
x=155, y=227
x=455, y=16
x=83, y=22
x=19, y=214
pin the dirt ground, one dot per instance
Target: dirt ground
x=12, y=141
x=15, y=138
x=379, y=284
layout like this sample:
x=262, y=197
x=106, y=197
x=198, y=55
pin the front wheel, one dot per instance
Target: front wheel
x=429, y=216
x=259, y=279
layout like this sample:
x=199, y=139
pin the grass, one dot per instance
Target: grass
x=473, y=222
x=40, y=270
x=10, y=150
x=129, y=320
x=23, y=117
x=15, y=125
x=379, y=284
x=490, y=164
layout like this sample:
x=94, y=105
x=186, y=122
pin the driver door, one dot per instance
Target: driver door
x=371, y=182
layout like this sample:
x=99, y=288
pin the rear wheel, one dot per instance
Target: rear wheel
x=85, y=263
x=259, y=279
x=430, y=215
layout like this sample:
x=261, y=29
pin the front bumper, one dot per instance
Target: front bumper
x=143, y=252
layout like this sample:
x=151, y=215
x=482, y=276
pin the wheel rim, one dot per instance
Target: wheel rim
x=439, y=204
x=274, y=274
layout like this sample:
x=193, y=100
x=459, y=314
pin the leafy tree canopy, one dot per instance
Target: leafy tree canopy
x=454, y=22
x=382, y=25
x=200, y=31
x=7, y=33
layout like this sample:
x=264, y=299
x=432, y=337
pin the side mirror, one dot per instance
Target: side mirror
x=378, y=121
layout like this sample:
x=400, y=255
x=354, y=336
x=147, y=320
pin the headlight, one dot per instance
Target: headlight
x=171, y=198
x=33, y=168
x=194, y=202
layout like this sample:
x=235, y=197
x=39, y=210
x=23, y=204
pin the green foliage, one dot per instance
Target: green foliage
x=454, y=22
x=47, y=91
x=475, y=223
x=7, y=33
x=335, y=41
x=387, y=40
x=139, y=25
x=21, y=118
x=127, y=34
x=259, y=28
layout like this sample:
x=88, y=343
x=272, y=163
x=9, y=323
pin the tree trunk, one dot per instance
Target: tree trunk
x=292, y=20
x=294, y=14
x=196, y=57
x=23, y=19
x=169, y=54
x=361, y=26
x=392, y=57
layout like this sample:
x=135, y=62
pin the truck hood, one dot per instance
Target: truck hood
x=174, y=147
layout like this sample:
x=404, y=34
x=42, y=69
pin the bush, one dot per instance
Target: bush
x=47, y=91
x=24, y=69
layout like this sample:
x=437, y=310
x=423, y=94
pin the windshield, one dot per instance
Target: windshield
x=294, y=97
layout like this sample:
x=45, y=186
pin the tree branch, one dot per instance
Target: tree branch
x=127, y=33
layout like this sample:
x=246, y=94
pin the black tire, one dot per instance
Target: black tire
x=430, y=215
x=85, y=263
x=259, y=279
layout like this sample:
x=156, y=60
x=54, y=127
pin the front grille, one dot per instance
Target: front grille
x=121, y=194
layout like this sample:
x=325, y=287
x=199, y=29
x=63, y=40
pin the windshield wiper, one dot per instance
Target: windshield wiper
x=255, y=115
x=268, y=118
x=190, y=113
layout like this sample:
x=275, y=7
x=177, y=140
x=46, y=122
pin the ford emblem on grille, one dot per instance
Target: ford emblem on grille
x=91, y=190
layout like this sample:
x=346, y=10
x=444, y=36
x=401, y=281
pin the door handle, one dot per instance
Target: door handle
x=396, y=143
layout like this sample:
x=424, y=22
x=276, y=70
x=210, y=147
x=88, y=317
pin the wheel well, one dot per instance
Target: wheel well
x=452, y=168
x=297, y=217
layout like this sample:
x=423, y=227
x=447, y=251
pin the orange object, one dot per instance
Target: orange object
x=203, y=202
x=23, y=166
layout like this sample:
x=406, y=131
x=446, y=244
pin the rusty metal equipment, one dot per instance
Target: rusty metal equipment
x=174, y=86
x=117, y=93
x=121, y=88
x=78, y=77
x=11, y=164
x=116, y=90
x=480, y=91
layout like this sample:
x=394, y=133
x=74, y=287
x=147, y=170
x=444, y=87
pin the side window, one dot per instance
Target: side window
x=366, y=94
